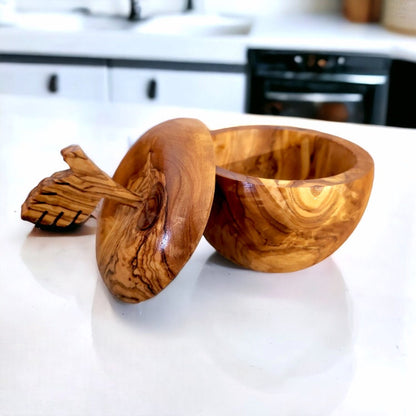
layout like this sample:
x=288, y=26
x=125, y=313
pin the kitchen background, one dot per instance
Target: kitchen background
x=261, y=7
x=341, y=60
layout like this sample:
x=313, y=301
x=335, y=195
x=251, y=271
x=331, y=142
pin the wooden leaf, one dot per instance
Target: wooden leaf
x=68, y=198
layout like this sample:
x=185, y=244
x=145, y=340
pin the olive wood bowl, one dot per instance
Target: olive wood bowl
x=285, y=198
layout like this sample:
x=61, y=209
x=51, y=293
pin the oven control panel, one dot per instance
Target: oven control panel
x=269, y=60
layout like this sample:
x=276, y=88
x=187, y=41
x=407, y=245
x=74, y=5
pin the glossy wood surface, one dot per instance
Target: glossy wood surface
x=171, y=167
x=285, y=198
x=68, y=198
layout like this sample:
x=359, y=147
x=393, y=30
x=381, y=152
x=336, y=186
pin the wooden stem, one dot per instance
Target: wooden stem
x=95, y=181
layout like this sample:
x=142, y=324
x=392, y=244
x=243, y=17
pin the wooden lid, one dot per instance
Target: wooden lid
x=141, y=249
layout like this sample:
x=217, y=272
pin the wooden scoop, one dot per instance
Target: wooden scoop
x=68, y=198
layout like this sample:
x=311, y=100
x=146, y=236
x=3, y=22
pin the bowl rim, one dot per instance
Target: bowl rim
x=363, y=164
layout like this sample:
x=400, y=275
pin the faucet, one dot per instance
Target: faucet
x=189, y=5
x=134, y=10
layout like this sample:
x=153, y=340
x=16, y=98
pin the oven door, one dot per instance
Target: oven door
x=330, y=106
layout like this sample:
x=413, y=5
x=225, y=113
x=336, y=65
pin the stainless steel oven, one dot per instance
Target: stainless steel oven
x=328, y=86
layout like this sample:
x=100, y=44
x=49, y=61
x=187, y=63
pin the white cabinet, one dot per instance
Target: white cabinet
x=71, y=81
x=201, y=89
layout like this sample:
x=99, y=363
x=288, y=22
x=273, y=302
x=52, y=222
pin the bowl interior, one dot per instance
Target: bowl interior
x=281, y=152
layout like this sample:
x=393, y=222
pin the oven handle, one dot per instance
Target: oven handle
x=315, y=97
x=366, y=79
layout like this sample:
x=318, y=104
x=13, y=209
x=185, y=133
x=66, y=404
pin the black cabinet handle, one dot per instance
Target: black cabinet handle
x=53, y=83
x=152, y=89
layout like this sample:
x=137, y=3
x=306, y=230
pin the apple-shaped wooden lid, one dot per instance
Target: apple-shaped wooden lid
x=142, y=247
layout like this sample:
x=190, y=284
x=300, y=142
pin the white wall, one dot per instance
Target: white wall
x=49, y=4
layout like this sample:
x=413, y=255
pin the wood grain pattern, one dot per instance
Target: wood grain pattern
x=171, y=167
x=285, y=198
x=68, y=198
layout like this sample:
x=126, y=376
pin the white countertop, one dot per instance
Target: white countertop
x=338, y=338
x=326, y=32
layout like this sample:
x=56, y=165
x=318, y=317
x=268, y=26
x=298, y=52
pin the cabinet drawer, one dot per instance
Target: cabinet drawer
x=71, y=81
x=202, y=89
